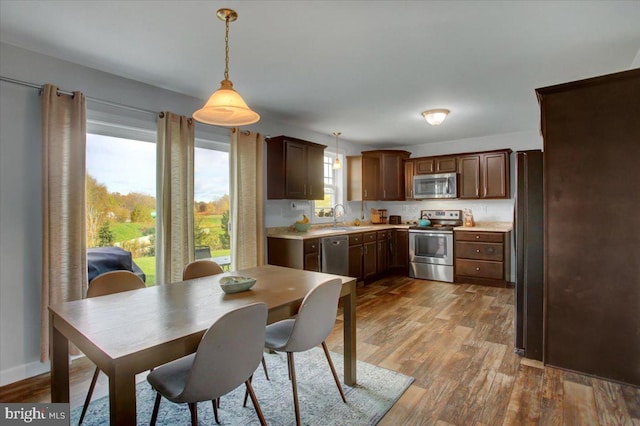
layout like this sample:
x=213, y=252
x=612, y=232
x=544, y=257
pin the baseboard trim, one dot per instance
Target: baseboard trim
x=24, y=371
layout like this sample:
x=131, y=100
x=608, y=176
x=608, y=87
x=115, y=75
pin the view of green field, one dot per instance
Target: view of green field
x=211, y=225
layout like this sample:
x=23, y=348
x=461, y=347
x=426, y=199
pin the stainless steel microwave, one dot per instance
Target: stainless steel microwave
x=440, y=185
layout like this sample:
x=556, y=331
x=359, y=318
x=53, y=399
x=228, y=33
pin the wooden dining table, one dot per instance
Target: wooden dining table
x=131, y=332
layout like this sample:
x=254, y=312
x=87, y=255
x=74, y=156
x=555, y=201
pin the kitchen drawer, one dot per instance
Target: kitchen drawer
x=383, y=235
x=480, y=268
x=480, y=251
x=355, y=239
x=487, y=237
x=369, y=237
x=311, y=245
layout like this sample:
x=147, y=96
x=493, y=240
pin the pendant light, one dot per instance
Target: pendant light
x=435, y=116
x=226, y=107
x=336, y=162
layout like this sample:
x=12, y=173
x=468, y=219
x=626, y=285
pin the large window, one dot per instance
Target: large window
x=211, y=195
x=121, y=200
x=323, y=209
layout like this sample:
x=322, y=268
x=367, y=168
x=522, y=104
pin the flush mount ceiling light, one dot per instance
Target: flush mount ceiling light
x=226, y=107
x=336, y=162
x=435, y=116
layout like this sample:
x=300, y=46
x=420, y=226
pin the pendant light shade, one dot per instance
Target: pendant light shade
x=226, y=107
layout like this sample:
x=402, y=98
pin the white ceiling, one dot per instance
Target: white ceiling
x=365, y=68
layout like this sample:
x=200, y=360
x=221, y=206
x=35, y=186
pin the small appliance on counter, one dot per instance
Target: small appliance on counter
x=378, y=216
x=395, y=220
x=468, y=218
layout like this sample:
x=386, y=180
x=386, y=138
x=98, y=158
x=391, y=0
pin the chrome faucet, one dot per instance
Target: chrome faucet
x=335, y=214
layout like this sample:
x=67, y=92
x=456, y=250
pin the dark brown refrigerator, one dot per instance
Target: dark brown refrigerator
x=529, y=246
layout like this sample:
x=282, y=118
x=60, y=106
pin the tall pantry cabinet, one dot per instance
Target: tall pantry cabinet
x=591, y=131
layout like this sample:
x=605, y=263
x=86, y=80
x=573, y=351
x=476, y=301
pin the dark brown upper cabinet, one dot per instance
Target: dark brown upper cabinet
x=294, y=169
x=429, y=165
x=376, y=176
x=409, y=171
x=484, y=175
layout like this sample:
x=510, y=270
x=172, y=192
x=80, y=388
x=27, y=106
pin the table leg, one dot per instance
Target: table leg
x=349, y=313
x=59, y=364
x=122, y=398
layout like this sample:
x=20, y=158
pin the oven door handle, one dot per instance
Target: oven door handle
x=431, y=234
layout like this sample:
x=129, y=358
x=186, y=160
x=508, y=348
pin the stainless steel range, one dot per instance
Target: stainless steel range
x=431, y=247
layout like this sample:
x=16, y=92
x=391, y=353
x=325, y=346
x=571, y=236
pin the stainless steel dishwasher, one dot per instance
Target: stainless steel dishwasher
x=335, y=255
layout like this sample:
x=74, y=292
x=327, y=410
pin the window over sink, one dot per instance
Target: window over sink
x=333, y=190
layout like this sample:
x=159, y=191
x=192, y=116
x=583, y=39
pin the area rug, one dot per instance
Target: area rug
x=320, y=403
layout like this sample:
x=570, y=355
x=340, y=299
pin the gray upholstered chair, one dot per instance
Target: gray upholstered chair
x=109, y=283
x=201, y=268
x=314, y=322
x=227, y=356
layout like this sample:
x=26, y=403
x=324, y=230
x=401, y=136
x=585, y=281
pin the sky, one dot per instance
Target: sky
x=125, y=166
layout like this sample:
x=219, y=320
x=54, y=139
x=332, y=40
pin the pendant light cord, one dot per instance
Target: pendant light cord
x=226, y=49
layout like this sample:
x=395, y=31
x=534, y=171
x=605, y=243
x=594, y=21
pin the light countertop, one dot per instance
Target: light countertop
x=328, y=231
x=487, y=227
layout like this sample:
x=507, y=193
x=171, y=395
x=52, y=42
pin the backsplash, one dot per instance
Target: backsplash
x=281, y=213
x=483, y=210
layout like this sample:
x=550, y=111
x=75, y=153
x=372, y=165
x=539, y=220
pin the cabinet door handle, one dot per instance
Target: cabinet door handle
x=365, y=192
x=477, y=269
x=384, y=193
x=478, y=251
x=477, y=237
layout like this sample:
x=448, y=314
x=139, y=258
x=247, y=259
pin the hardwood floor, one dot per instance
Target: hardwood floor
x=457, y=342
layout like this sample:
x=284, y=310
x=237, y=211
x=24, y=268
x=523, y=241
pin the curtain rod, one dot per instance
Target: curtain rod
x=66, y=92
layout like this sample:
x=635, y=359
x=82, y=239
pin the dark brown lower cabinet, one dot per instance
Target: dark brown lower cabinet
x=299, y=254
x=482, y=257
x=383, y=252
x=370, y=263
x=356, y=256
x=399, y=251
x=312, y=255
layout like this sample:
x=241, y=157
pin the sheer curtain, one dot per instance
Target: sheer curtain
x=247, y=199
x=64, y=259
x=174, y=196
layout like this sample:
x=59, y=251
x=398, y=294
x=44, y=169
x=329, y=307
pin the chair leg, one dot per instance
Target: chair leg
x=215, y=410
x=294, y=385
x=89, y=393
x=246, y=392
x=264, y=367
x=256, y=405
x=193, y=407
x=156, y=406
x=333, y=371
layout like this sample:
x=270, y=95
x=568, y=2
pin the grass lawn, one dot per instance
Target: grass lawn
x=124, y=231
x=148, y=266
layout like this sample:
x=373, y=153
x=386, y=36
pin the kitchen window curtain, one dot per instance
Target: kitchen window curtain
x=174, y=196
x=247, y=199
x=64, y=258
